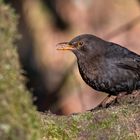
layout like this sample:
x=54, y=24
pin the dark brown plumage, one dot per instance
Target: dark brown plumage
x=105, y=66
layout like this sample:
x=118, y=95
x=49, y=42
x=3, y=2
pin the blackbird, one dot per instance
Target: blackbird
x=105, y=66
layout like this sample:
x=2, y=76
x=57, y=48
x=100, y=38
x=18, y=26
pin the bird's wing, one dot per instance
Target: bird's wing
x=124, y=76
x=131, y=62
x=126, y=59
x=133, y=67
x=119, y=70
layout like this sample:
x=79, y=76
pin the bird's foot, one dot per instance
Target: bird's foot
x=73, y=114
x=100, y=106
x=105, y=103
x=135, y=94
x=120, y=99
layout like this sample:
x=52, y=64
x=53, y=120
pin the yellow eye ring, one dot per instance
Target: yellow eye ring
x=80, y=43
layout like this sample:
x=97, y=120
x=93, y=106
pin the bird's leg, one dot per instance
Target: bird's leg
x=119, y=96
x=103, y=103
x=135, y=94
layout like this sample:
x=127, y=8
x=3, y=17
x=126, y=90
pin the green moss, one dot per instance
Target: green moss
x=112, y=124
x=59, y=127
x=18, y=118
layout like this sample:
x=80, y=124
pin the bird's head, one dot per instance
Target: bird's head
x=83, y=45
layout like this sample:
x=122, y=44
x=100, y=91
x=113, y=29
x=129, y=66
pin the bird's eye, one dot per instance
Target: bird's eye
x=80, y=43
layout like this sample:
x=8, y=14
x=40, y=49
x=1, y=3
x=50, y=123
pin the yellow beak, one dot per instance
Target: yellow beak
x=65, y=46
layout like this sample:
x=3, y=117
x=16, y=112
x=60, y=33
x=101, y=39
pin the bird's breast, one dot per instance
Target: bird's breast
x=89, y=75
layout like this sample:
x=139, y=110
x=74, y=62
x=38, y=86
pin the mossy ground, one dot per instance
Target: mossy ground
x=115, y=123
x=19, y=119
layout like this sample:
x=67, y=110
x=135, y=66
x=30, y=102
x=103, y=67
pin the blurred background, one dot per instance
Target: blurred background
x=52, y=76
